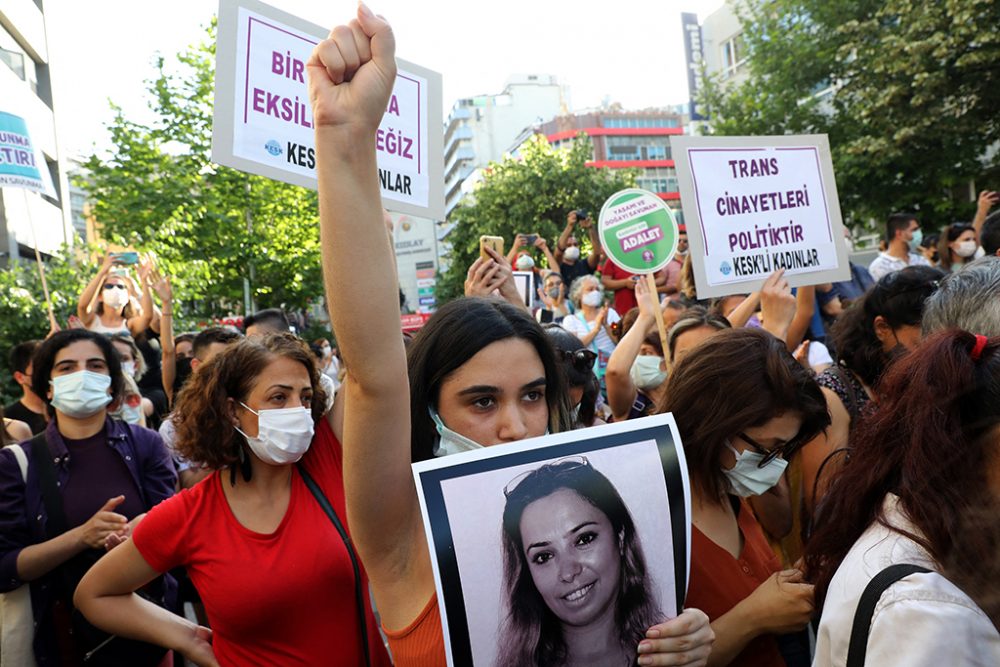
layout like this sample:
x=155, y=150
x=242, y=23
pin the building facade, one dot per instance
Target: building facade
x=624, y=139
x=481, y=129
x=28, y=219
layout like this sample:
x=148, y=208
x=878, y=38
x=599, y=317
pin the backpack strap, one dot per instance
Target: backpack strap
x=324, y=503
x=22, y=460
x=879, y=584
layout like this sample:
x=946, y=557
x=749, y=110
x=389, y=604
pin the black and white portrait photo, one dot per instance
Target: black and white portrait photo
x=567, y=545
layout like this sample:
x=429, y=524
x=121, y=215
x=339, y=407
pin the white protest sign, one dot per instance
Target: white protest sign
x=22, y=164
x=263, y=119
x=754, y=205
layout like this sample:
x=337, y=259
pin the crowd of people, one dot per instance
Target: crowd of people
x=841, y=442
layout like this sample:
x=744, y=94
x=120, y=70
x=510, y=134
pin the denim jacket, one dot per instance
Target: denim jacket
x=23, y=516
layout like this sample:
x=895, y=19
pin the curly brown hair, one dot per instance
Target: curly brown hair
x=202, y=418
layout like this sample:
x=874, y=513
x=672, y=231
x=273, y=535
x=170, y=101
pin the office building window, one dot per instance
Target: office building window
x=733, y=54
x=15, y=61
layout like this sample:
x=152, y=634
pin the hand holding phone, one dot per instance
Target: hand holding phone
x=529, y=239
x=495, y=242
x=125, y=258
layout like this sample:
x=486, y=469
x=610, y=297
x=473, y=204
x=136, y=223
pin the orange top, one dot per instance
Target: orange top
x=421, y=643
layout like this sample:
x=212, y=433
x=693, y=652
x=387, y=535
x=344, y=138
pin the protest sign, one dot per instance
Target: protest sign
x=499, y=519
x=754, y=205
x=262, y=122
x=525, y=282
x=22, y=164
x=639, y=234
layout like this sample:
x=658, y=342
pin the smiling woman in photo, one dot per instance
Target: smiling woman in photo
x=575, y=580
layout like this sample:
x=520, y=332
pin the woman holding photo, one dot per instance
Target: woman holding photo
x=481, y=372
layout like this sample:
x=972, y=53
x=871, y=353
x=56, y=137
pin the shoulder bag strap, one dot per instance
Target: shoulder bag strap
x=358, y=592
x=22, y=460
x=879, y=584
x=41, y=456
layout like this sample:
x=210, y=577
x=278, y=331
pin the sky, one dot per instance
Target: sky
x=631, y=51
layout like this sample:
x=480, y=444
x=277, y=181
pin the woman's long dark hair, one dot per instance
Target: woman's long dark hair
x=455, y=334
x=531, y=635
x=899, y=298
x=929, y=442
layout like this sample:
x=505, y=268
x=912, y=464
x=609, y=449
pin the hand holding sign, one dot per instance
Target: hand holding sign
x=351, y=73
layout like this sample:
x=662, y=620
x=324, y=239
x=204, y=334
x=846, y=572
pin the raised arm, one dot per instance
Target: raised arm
x=140, y=322
x=84, y=307
x=987, y=200
x=564, y=236
x=168, y=361
x=351, y=75
x=594, y=258
x=621, y=390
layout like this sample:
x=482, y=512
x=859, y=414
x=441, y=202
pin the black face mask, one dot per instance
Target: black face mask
x=182, y=374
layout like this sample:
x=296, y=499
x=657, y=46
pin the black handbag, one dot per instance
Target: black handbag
x=91, y=644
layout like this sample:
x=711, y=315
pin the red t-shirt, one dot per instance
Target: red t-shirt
x=624, y=297
x=286, y=598
x=719, y=582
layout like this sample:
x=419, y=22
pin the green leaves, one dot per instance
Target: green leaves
x=531, y=194
x=915, y=88
x=160, y=191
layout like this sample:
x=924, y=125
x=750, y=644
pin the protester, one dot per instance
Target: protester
x=987, y=199
x=577, y=363
x=902, y=237
x=493, y=277
x=591, y=320
x=483, y=368
x=570, y=262
x=134, y=408
x=256, y=410
x=968, y=300
x=269, y=320
x=90, y=479
x=637, y=370
x=834, y=298
x=183, y=344
x=693, y=326
x=922, y=469
x=743, y=406
x=106, y=304
x=957, y=246
x=553, y=298
x=884, y=325
x=30, y=408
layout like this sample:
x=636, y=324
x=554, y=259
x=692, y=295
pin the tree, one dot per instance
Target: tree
x=531, y=194
x=907, y=92
x=160, y=191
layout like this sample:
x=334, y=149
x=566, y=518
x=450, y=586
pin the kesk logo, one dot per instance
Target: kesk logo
x=273, y=147
x=725, y=269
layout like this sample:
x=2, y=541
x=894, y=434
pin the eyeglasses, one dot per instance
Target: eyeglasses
x=582, y=359
x=113, y=286
x=562, y=465
x=783, y=451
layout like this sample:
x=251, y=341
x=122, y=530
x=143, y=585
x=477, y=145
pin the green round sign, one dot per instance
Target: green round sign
x=638, y=231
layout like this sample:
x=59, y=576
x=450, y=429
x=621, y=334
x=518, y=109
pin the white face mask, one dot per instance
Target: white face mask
x=525, y=263
x=132, y=415
x=593, y=299
x=80, y=394
x=283, y=435
x=128, y=368
x=746, y=479
x=646, y=372
x=450, y=442
x=572, y=253
x=966, y=249
x=116, y=298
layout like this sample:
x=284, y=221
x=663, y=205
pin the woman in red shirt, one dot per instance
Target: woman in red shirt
x=743, y=406
x=279, y=583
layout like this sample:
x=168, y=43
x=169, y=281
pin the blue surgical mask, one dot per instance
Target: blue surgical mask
x=80, y=394
x=918, y=237
x=646, y=373
x=450, y=442
x=132, y=415
x=747, y=479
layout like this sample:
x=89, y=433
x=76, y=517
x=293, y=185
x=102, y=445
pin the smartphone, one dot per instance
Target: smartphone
x=581, y=214
x=545, y=316
x=530, y=239
x=495, y=242
x=125, y=257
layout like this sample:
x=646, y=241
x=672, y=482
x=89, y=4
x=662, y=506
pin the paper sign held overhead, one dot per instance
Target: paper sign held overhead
x=263, y=119
x=754, y=205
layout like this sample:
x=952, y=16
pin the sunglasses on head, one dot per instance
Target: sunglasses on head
x=582, y=359
x=113, y=286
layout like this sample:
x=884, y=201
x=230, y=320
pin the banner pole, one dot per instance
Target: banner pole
x=658, y=312
x=38, y=261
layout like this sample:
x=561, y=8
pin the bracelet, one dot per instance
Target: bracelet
x=166, y=314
